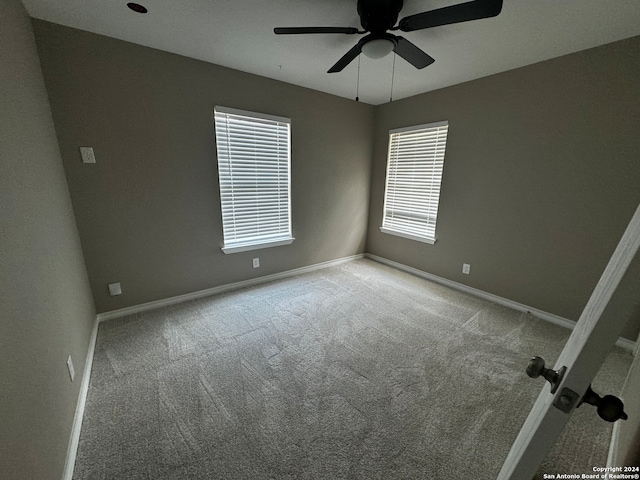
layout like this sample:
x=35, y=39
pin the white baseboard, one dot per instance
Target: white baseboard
x=72, y=450
x=627, y=345
x=612, y=456
x=550, y=317
x=222, y=288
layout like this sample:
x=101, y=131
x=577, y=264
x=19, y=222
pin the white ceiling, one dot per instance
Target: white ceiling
x=239, y=34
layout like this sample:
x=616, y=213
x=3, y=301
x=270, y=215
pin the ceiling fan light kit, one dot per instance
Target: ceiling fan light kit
x=378, y=48
x=379, y=16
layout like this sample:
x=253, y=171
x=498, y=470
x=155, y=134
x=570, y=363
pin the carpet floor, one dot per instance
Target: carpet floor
x=357, y=371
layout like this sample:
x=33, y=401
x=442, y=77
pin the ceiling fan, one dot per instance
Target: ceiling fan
x=378, y=16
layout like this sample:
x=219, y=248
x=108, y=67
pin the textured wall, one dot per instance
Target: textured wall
x=46, y=310
x=540, y=180
x=148, y=211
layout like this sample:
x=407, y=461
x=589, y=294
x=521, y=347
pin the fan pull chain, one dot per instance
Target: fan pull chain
x=393, y=74
x=358, y=81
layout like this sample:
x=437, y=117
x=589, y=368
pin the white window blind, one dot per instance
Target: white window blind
x=414, y=173
x=254, y=171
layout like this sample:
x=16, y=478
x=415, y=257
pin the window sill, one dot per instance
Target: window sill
x=258, y=246
x=430, y=241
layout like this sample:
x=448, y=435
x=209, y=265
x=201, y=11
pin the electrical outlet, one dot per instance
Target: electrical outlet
x=256, y=262
x=466, y=268
x=87, y=155
x=115, y=289
x=72, y=372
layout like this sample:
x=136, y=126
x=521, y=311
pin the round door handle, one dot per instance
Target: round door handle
x=537, y=368
x=610, y=408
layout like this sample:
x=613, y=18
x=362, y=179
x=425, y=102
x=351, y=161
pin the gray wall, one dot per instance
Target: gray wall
x=46, y=310
x=541, y=177
x=148, y=211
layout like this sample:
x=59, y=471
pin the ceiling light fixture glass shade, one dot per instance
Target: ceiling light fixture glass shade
x=378, y=48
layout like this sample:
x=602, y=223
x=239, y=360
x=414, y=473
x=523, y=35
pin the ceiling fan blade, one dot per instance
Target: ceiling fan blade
x=299, y=30
x=462, y=12
x=411, y=53
x=346, y=59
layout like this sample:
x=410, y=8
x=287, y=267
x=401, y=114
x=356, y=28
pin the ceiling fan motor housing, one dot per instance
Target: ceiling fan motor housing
x=378, y=16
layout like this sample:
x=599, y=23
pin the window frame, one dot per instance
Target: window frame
x=285, y=237
x=433, y=164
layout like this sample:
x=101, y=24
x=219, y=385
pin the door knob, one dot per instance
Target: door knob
x=610, y=408
x=536, y=368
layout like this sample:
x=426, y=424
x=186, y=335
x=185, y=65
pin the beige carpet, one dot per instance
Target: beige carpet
x=357, y=371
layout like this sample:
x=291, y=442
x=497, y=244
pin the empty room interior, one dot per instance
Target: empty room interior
x=236, y=245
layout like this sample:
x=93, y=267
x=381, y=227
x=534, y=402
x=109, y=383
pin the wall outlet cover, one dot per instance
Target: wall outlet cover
x=466, y=268
x=87, y=155
x=115, y=289
x=256, y=262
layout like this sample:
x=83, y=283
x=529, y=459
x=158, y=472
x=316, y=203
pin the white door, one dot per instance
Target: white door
x=583, y=355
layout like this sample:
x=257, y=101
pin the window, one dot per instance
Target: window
x=254, y=164
x=414, y=172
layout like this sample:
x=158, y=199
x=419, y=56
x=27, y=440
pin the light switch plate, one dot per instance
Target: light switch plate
x=115, y=289
x=87, y=155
